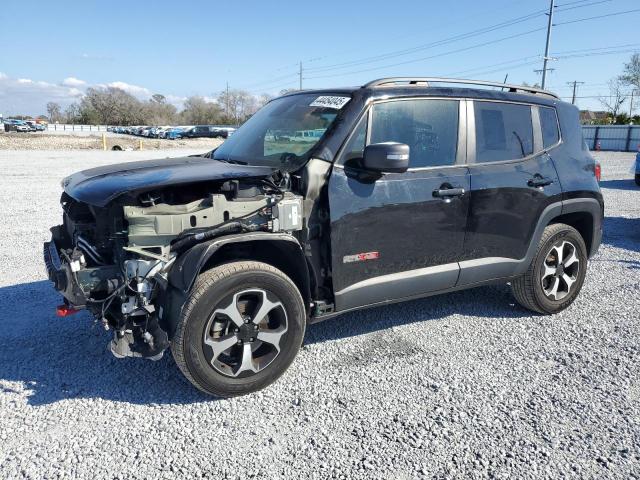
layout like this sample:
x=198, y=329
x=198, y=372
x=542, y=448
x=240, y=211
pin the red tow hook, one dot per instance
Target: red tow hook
x=65, y=310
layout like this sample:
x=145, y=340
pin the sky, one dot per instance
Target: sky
x=53, y=51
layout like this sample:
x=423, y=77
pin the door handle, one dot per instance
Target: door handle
x=538, y=181
x=448, y=192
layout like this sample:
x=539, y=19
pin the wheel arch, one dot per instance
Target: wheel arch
x=582, y=222
x=585, y=215
x=281, y=251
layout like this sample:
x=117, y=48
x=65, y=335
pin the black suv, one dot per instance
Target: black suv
x=324, y=202
x=200, y=131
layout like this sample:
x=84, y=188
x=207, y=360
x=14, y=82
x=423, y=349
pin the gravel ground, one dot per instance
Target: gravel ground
x=93, y=141
x=466, y=385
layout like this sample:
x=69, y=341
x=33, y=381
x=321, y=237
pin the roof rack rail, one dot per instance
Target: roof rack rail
x=428, y=80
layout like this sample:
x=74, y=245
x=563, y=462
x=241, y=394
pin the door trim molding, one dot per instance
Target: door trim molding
x=386, y=288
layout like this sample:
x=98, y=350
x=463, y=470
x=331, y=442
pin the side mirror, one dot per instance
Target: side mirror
x=389, y=157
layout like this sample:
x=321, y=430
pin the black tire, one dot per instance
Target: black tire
x=529, y=289
x=638, y=179
x=211, y=288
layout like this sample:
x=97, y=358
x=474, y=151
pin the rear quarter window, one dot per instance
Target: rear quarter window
x=549, y=125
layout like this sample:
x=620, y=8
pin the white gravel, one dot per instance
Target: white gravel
x=50, y=141
x=465, y=385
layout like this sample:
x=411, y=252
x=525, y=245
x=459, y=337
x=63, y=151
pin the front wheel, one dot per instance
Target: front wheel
x=638, y=179
x=240, y=329
x=557, y=271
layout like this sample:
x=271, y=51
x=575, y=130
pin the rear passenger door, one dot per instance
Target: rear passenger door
x=399, y=235
x=513, y=180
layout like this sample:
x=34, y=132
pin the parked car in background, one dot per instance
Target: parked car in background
x=637, y=169
x=11, y=124
x=222, y=132
x=173, y=133
x=198, y=131
x=35, y=127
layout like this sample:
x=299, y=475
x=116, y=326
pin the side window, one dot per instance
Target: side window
x=549, y=124
x=429, y=127
x=504, y=131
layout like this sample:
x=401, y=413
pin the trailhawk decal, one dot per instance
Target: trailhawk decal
x=361, y=257
x=329, y=101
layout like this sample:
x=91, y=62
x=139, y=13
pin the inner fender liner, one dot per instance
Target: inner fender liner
x=188, y=266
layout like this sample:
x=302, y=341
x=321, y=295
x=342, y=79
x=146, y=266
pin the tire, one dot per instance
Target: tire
x=638, y=179
x=534, y=290
x=210, y=347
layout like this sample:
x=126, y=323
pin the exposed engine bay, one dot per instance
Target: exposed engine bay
x=114, y=260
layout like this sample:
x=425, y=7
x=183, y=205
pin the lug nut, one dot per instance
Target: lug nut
x=239, y=342
x=251, y=339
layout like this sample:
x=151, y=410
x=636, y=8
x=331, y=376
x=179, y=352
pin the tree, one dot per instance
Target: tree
x=197, y=111
x=157, y=112
x=111, y=106
x=616, y=98
x=631, y=75
x=53, y=110
x=238, y=105
x=72, y=113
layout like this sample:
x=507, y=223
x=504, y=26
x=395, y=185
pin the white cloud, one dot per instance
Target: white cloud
x=73, y=82
x=23, y=96
x=135, y=90
x=30, y=97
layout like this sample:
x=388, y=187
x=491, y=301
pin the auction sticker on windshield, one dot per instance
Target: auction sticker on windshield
x=329, y=101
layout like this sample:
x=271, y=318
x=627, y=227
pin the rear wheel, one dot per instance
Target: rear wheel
x=240, y=328
x=556, y=273
x=638, y=179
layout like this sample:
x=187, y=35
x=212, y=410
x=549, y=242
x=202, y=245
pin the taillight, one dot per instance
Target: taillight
x=597, y=170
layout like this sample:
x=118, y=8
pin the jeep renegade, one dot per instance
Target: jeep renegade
x=325, y=202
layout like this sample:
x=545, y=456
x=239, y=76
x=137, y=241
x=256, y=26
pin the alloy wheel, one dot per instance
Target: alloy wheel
x=243, y=334
x=560, y=270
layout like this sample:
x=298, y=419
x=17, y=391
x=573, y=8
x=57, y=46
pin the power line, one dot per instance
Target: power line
x=455, y=38
x=451, y=52
x=559, y=8
x=598, y=17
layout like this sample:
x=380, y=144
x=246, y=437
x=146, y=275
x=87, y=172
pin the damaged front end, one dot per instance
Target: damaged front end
x=114, y=259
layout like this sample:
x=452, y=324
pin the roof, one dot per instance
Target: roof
x=440, y=87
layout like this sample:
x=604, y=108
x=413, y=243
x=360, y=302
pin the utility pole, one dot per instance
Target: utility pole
x=575, y=86
x=300, y=75
x=546, y=48
x=633, y=92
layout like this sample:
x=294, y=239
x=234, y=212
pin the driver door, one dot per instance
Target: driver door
x=392, y=237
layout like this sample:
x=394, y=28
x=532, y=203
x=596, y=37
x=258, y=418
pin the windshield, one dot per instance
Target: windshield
x=283, y=132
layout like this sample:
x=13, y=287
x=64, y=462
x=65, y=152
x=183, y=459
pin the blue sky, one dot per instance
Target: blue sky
x=57, y=49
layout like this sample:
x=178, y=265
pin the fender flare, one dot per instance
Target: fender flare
x=493, y=268
x=188, y=266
